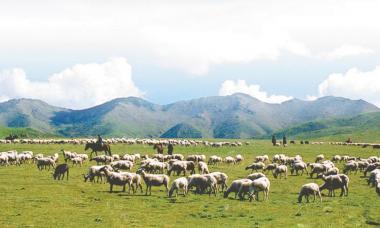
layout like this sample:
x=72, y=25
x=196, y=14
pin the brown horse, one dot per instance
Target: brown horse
x=159, y=148
x=95, y=147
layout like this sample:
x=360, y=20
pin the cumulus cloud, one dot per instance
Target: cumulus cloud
x=80, y=86
x=230, y=87
x=353, y=84
x=346, y=51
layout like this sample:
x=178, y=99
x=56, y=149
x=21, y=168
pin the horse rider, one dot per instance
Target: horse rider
x=99, y=141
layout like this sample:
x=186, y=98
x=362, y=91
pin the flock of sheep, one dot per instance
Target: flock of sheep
x=156, y=170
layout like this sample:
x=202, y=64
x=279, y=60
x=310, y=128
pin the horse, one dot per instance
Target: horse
x=159, y=148
x=95, y=147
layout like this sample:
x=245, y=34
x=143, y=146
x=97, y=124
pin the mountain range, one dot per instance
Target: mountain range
x=234, y=116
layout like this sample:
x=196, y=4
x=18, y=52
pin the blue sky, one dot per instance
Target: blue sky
x=81, y=53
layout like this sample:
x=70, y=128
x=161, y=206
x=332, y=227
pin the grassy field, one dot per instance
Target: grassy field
x=32, y=198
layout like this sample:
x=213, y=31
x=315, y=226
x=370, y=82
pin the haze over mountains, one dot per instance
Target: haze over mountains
x=235, y=116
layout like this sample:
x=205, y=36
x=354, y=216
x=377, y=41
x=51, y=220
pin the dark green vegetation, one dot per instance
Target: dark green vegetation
x=22, y=132
x=361, y=128
x=32, y=198
x=182, y=130
x=235, y=116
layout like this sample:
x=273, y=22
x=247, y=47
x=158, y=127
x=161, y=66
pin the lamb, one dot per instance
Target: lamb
x=333, y=182
x=299, y=166
x=120, y=179
x=203, y=168
x=256, y=166
x=42, y=163
x=230, y=160
x=319, y=158
x=280, y=170
x=214, y=160
x=60, y=171
x=239, y=158
x=96, y=171
x=261, y=184
x=235, y=187
x=221, y=179
x=270, y=167
x=254, y=176
x=307, y=190
x=180, y=183
x=122, y=164
x=154, y=180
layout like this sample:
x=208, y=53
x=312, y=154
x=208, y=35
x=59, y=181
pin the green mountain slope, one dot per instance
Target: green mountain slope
x=22, y=133
x=364, y=127
x=182, y=130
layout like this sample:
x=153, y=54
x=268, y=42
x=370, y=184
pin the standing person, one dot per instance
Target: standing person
x=170, y=149
x=100, y=141
x=284, y=141
x=274, y=141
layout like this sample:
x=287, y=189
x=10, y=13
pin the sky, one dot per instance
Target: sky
x=81, y=53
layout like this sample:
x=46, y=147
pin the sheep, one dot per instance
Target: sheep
x=270, y=167
x=333, y=182
x=214, y=160
x=202, y=182
x=178, y=167
x=337, y=158
x=230, y=160
x=96, y=171
x=278, y=158
x=203, y=168
x=83, y=156
x=373, y=177
x=122, y=164
x=235, y=187
x=154, y=180
x=280, y=170
x=319, y=158
x=180, y=183
x=42, y=163
x=102, y=159
x=221, y=179
x=77, y=161
x=298, y=166
x=196, y=158
x=60, y=171
x=332, y=171
x=55, y=157
x=253, y=188
x=262, y=158
x=254, y=176
x=378, y=189
x=371, y=167
x=350, y=166
x=115, y=178
x=115, y=157
x=128, y=157
x=136, y=180
x=307, y=190
x=239, y=158
x=256, y=166
x=178, y=157
x=317, y=169
x=4, y=160
x=66, y=154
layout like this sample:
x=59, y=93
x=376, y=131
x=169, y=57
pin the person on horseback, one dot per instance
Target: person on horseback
x=99, y=141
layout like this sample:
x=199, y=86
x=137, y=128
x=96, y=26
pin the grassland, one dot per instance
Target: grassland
x=31, y=198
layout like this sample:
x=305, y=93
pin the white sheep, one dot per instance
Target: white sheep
x=122, y=164
x=203, y=168
x=235, y=187
x=154, y=180
x=42, y=163
x=256, y=166
x=281, y=169
x=239, y=158
x=307, y=190
x=254, y=176
x=115, y=178
x=180, y=183
x=230, y=160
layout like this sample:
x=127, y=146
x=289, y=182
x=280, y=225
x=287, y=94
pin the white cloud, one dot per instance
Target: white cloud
x=230, y=87
x=353, y=84
x=190, y=35
x=80, y=86
x=346, y=51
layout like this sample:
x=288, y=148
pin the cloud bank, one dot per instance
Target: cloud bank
x=230, y=87
x=80, y=86
x=353, y=84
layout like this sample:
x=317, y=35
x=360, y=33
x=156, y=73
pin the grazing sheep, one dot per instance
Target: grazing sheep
x=77, y=161
x=42, y=163
x=122, y=164
x=178, y=167
x=115, y=157
x=180, y=183
x=253, y=188
x=374, y=177
x=319, y=158
x=115, y=178
x=337, y=158
x=307, y=190
x=332, y=171
x=230, y=160
x=317, y=169
x=255, y=166
x=298, y=166
x=262, y=158
x=202, y=182
x=60, y=171
x=221, y=179
x=214, y=160
x=235, y=187
x=203, y=168
x=270, y=167
x=102, y=159
x=371, y=167
x=154, y=180
x=333, y=182
x=254, y=176
x=280, y=170
x=96, y=171
x=4, y=160
x=239, y=158
x=351, y=166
